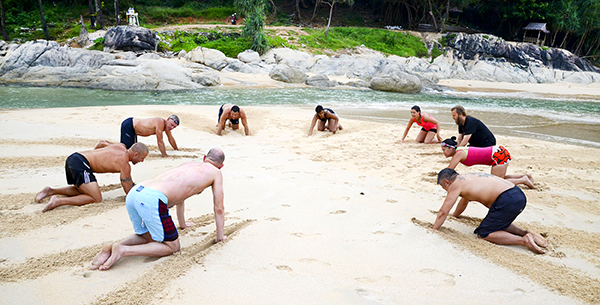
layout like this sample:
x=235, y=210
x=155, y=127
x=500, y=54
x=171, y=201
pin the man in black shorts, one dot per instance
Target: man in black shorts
x=504, y=200
x=234, y=114
x=80, y=168
x=131, y=128
x=471, y=130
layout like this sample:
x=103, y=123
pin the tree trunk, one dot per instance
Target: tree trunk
x=117, y=19
x=564, y=40
x=44, y=25
x=298, y=11
x=3, y=23
x=330, y=13
x=317, y=4
x=581, y=41
x=274, y=8
x=92, y=15
x=99, y=14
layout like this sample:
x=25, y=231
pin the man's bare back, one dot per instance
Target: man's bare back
x=480, y=187
x=112, y=158
x=186, y=180
x=149, y=126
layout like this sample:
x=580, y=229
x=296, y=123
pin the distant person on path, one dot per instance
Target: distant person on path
x=148, y=207
x=496, y=156
x=471, y=130
x=133, y=127
x=504, y=200
x=234, y=114
x=327, y=119
x=80, y=168
x=430, y=127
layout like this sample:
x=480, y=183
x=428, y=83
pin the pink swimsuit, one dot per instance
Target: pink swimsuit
x=426, y=125
x=491, y=155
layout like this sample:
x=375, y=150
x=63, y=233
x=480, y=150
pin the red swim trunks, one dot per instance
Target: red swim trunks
x=500, y=156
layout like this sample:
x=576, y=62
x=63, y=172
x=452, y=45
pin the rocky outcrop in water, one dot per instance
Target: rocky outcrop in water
x=473, y=57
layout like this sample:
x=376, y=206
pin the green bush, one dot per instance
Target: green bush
x=435, y=52
x=230, y=46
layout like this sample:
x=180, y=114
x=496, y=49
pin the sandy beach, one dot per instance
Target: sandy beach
x=326, y=219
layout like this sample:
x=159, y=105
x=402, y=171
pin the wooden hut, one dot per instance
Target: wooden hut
x=535, y=33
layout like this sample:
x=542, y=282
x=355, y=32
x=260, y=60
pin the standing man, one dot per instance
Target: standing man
x=80, y=168
x=232, y=113
x=327, y=119
x=148, y=207
x=133, y=127
x=471, y=130
x=504, y=200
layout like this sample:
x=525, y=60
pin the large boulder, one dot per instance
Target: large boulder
x=320, y=80
x=397, y=82
x=129, y=38
x=249, y=56
x=293, y=58
x=209, y=57
x=285, y=73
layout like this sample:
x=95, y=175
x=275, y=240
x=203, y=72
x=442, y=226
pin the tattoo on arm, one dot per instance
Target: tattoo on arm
x=128, y=179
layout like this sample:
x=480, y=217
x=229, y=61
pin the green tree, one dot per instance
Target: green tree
x=254, y=10
x=590, y=21
x=565, y=18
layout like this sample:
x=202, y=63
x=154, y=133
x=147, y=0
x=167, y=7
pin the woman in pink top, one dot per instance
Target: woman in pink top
x=430, y=126
x=496, y=156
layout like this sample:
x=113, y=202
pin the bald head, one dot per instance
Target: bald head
x=216, y=156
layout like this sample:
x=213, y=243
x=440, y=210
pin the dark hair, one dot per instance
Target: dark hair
x=235, y=108
x=416, y=108
x=319, y=108
x=450, y=142
x=460, y=110
x=447, y=174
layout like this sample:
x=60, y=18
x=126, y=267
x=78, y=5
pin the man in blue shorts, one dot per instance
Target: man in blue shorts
x=504, y=200
x=148, y=206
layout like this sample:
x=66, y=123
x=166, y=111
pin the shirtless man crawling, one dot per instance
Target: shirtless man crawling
x=148, y=207
x=505, y=201
x=234, y=114
x=80, y=168
x=133, y=127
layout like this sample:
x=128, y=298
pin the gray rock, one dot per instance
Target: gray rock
x=285, y=73
x=320, y=80
x=398, y=82
x=210, y=57
x=207, y=79
x=181, y=54
x=129, y=38
x=249, y=56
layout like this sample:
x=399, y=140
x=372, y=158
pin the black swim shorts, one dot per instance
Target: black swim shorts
x=128, y=136
x=503, y=212
x=78, y=170
x=432, y=130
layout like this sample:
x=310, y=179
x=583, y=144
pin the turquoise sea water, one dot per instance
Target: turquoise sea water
x=573, y=121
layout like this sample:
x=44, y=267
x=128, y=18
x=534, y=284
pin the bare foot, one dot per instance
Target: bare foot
x=101, y=257
x=527, y=181
x=539, y=239
x=115, y=256
x=52, y=204
x=531, y=245
x=42, y=194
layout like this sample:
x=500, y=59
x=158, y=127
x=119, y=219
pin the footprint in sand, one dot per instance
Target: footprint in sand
x=284, y=268
x=338, y=212
x=273, y=219
x=373, y=280
x=437, y=278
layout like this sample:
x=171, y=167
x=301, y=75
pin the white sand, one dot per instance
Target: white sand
x=326, y=219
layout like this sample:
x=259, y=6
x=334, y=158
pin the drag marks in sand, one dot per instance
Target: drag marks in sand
x=546, y=270
x=19, y=213
x=149, y=285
